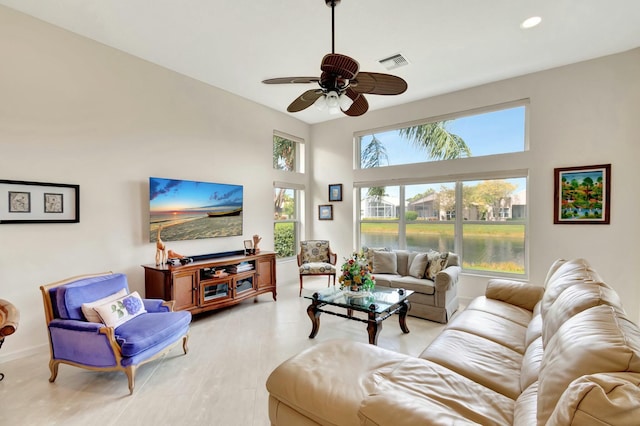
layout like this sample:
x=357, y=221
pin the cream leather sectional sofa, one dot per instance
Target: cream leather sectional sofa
x=433, y=277
x=520, y=355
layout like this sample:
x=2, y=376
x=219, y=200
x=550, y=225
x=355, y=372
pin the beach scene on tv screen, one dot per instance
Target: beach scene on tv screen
x=190, y=210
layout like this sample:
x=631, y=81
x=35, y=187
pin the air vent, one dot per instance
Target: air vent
x=395, y=61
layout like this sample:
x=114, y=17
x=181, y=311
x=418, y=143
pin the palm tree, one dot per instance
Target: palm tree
x=437, y=141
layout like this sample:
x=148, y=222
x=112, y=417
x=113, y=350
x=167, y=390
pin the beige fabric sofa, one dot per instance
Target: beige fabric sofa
x=516, y=356
x=431, y=275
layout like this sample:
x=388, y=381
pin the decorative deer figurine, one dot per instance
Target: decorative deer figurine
x=161, y=249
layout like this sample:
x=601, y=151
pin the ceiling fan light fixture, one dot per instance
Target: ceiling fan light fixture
x=321, y=103
x=333, y=102
x=345, y=102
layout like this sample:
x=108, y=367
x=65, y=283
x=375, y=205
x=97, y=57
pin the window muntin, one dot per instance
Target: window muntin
x=489, y=133
x=286, y=223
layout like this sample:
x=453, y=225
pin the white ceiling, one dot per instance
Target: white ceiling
x=450, y=44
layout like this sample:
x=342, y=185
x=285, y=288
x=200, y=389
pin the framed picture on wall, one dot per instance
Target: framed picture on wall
x=38, y=202
x=582, y=195
x=325, y=212
x=335, y=192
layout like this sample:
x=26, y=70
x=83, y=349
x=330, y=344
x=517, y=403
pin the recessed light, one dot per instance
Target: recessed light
x=530, y=22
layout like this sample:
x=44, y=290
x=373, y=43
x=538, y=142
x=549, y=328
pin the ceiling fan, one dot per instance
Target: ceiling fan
x=342, y=86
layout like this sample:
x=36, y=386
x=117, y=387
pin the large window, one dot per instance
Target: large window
x=495, y=132
x=483, y=221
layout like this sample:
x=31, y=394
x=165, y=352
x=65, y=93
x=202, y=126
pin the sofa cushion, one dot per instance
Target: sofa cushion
x=524, y=413
x=419, y=392
x=597, y=340
x=419, y=285
x=437, y=262
x=608, y=398
x=70, y=297
x=87, y=308
x=145, y=331
x=419, y=265
x=531, y=363
x=368, y=253
x=567, y=274
x=119, y=311
x=496, y=307
x=385, y=262
x=479, y=359
x=576, y=299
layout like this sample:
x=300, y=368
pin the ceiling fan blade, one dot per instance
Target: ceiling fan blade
x=359, y=105
x=376, y=83
x=341, y=65
x=289, y=80
x=305, y=100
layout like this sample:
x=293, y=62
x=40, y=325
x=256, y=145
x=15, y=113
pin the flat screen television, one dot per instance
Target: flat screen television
x=190, y=210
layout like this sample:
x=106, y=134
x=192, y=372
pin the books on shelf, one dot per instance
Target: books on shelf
x=240, y=267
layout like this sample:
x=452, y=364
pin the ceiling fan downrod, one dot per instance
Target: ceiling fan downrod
x=332, y=4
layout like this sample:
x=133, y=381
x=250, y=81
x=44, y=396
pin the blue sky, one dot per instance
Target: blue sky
x=489, y=133
x=173, y=194
x=485, y=134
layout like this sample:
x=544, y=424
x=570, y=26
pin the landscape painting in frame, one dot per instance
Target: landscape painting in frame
x=190, y=210
x=582, y=195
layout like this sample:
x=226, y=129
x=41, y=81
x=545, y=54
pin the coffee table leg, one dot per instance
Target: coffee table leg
x=374, y=326
x=314, y=314
x=404, y=308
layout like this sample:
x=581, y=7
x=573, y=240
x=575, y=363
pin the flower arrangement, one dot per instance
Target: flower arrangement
x=356, y=274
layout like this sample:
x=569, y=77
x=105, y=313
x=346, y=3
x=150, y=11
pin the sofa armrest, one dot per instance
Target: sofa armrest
x=157, y=305
x=447, y=278
x=514, y=292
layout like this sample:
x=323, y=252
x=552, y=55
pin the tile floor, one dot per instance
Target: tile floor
x=221, y=381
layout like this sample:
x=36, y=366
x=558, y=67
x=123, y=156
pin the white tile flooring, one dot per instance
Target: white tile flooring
x=221, y=381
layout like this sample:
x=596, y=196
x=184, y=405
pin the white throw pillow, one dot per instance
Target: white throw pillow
x=385, y=262
x=121, y=310
x=419, y=265
x=87, y=308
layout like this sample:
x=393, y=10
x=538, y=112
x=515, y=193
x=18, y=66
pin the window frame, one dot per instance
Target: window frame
x=299, y=154
x=298, y=191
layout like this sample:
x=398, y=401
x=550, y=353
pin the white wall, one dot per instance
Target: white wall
x=582, y=114
x=74, y=111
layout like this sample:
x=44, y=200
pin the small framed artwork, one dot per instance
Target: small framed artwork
x=53, y=203
x=582, y=195
x=325, y=212
x=38, y=202
x=335, y=192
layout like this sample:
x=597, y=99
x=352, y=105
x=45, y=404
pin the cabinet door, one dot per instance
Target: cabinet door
x=185, y=290
x=266, y=272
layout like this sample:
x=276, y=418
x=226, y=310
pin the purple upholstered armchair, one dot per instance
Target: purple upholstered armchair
x=95, y=323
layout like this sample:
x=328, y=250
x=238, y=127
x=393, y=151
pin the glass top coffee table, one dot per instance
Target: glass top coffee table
x=379, y=305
